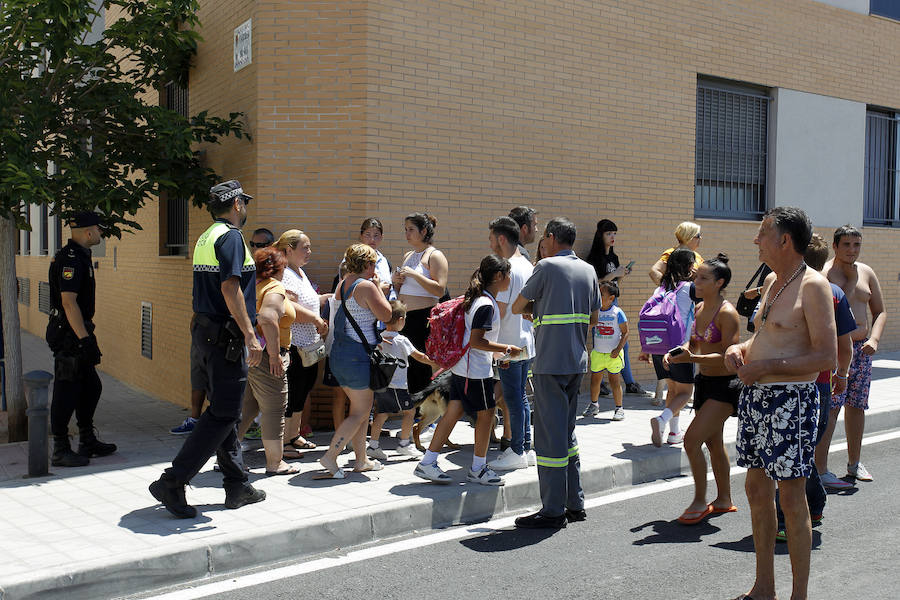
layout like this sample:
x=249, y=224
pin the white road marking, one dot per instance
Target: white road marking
x=456, y=533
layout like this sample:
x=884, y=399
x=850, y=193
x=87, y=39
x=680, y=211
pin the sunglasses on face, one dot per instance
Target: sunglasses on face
x=258, y=245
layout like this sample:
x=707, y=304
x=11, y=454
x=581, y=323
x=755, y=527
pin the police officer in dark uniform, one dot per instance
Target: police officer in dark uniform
x=70, y=335
x=225, y=344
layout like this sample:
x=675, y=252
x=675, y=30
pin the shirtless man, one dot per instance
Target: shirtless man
x=778, y=409
x=861, y=286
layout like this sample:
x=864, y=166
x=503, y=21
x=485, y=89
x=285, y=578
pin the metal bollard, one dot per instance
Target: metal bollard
x=37, y=384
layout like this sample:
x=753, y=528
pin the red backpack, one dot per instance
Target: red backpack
x=447, y=327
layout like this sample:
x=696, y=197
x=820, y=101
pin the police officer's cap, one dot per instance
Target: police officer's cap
x=84, y=219
x=223, y=194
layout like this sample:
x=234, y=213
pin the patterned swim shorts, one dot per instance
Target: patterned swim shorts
x=858, y=380
x=777, y=425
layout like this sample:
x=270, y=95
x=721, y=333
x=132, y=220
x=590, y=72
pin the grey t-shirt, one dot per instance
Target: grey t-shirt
x=565, y=293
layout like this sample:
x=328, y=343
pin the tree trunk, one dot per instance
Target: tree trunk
x=12, y=339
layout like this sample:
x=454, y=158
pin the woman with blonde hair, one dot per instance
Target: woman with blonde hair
x=267, y=386
x=687, y=234
x=364, y=302
x=306, y=335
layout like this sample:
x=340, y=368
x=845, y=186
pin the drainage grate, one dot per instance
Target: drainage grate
x=24, y=290
x=147, y=329
x=44, y=297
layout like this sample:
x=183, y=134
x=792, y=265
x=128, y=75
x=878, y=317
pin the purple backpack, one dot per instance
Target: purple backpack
x=661, y=327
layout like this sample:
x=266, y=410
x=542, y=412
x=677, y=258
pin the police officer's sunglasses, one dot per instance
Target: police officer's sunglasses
x=258, y=244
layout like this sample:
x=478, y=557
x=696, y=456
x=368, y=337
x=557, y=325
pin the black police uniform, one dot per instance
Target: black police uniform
x=77, y=386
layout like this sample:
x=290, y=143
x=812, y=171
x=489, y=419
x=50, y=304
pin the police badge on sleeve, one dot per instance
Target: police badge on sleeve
x=68, y=273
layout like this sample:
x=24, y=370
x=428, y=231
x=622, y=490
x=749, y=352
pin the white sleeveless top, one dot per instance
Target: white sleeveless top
x=410, y=286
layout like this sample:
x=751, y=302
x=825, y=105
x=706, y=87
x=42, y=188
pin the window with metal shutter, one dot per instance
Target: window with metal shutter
x=731, y=152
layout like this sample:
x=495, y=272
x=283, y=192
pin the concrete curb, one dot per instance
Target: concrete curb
x=182, y=562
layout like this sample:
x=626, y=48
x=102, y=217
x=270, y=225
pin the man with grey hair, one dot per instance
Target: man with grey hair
x=562, y=299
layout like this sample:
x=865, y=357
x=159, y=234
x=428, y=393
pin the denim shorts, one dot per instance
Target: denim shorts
x=350, y=364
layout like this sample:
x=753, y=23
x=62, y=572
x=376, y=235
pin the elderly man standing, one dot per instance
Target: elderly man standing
x=778, y=409
x=563, y=299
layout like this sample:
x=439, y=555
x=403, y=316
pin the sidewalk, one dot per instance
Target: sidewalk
x=96, y=532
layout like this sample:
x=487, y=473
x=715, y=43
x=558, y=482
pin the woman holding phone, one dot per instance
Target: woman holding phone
x=716, y=390
x=603, y=258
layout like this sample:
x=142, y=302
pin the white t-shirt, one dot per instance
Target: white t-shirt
x=514, y=329
x=302, y=334
x=607, y=333
x=483, y=314
x=400, y=347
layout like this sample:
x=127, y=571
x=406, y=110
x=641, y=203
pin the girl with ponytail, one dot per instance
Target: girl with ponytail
x=471, y=379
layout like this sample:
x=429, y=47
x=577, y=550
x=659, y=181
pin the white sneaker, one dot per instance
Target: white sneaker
x=675, y=438
x=485, y=477
x=859, y=471
x=619, y=414
x=428, y=432
x=409, y=450
x=376, y=453
x=509, y=461
x=531, y=457
x=592, y=410
x=432, y=473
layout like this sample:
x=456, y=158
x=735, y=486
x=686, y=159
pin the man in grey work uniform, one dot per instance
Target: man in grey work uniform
x=563, y=298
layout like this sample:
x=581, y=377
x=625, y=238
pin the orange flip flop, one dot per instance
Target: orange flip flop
x=692, y=517
x=718, y=511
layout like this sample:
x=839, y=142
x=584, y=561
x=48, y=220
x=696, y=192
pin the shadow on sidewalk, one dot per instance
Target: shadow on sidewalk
x=156, y=520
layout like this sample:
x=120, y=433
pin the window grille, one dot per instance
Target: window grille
x=880, y=205
x=731, y=153
x=44, y=297
x=45, y=230
x=147, y=329
x=176, y=210
x=24, y=290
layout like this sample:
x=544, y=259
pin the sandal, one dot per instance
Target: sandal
x=332, y=471
x=728, y=509
x=297, y=445
x=293, y=454
x=285, y=470
x=371, y=465
x=692, y=517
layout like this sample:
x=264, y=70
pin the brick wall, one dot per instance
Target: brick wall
x=464, y=109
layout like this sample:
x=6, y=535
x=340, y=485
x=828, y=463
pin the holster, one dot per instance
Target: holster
x=227, y=335
x=67, y=366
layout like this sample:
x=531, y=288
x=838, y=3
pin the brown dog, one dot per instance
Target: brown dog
x=432, y=404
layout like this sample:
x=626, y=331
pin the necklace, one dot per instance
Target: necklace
x=796, y=274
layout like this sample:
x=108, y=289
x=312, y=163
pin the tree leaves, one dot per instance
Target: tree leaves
x=76, y=130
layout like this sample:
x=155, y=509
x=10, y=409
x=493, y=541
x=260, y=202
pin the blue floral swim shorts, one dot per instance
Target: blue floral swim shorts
x=859, y=379
x=777, y=425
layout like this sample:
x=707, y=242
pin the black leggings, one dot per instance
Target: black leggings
x=301, y=381
x=418, y=375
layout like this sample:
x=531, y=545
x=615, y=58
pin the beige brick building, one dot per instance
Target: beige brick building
x=464, y=109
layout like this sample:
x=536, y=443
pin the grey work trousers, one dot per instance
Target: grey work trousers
x=559, y=468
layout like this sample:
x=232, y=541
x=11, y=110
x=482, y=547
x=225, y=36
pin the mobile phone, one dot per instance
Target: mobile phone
x=629, y=265
x=676, y=351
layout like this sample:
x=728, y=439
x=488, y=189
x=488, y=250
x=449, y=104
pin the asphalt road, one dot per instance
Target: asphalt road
x=632, y=549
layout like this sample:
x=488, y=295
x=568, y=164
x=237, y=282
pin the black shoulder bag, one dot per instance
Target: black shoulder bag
x=381, y=366
x=745, y=306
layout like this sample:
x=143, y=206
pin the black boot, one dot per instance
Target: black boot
x=89, y=445
x=63, y=455
x=171, y=494
x=243, y=495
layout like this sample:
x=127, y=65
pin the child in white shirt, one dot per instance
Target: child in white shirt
x=396, y=398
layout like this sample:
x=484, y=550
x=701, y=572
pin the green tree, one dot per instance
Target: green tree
x=82, y=106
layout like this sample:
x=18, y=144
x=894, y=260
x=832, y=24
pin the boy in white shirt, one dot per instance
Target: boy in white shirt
x=609, y=337
x=396, y=398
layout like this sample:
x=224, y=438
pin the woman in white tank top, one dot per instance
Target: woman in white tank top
x=420, y=281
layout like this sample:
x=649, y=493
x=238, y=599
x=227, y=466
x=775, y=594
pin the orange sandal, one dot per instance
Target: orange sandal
x=692, y=517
